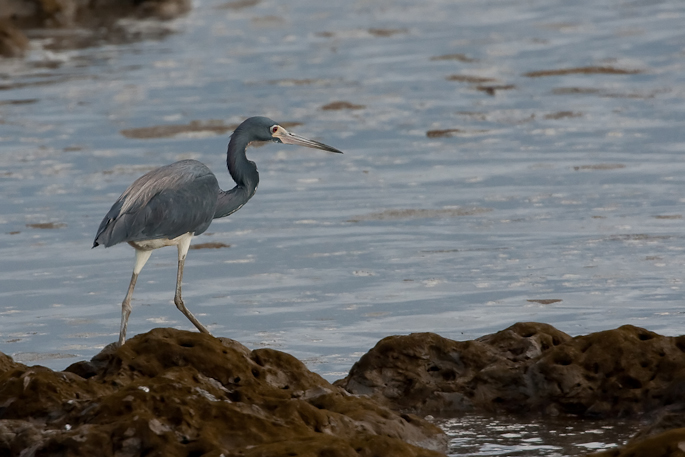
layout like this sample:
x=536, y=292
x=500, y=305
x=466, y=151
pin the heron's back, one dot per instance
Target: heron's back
x=164, y=203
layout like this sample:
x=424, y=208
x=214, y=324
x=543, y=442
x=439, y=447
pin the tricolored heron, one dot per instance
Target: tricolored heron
x=173, y=203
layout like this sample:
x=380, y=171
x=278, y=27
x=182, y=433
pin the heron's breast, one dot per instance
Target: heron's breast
x=150, y=245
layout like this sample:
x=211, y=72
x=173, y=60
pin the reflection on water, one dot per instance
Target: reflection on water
x=503, y=163
x=474, y=435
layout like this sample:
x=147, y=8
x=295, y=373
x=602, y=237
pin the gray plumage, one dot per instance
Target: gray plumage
x=173, y=203
x=164, y=203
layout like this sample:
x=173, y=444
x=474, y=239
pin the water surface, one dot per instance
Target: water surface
x=503, y=162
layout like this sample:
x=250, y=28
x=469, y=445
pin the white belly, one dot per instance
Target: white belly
x=149, y=245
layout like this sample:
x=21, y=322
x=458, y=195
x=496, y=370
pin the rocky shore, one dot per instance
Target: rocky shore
x=176, y=393
x=172, y=392
x=17, y=17
x=535, y=368
x=526, y=368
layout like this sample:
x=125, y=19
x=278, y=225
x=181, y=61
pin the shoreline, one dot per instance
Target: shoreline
x=170, y=390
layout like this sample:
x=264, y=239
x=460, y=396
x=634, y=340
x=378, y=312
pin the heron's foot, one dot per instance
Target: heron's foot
x=178, y=301
x=111, y=348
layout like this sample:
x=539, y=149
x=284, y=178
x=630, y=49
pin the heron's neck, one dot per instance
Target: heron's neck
x=243, y=172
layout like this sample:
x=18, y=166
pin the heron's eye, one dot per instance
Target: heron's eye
x=274, y=129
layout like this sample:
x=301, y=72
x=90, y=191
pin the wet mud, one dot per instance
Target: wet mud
x=562, y=115
x=493, y=89
x=47, y=225
x=386, y=32
x=544, y=301
x=28, y=101
x=214, y=245
x=335, y=106
x=447, y=133
x=608, y=93
x=469, y=79
x=196, y=127
x=599, y=166
x=238, y=4
x=300, y=82
x=457, y=57
x=595, y=70
x=216, y=127
x=369, y=33
x=49, y=81
x=399, y=214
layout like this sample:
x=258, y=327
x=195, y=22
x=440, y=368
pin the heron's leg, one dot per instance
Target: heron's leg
x=141, y=259
x=183, y=246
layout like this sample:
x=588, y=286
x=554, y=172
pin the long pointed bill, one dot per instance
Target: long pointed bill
x=290, y=138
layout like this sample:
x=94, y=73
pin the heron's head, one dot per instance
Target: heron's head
x=264, y=129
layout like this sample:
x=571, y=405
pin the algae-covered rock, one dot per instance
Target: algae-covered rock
x=67, y=13
x=175, y=393
x=6, y=363
x=528, y=367
x=621, y=372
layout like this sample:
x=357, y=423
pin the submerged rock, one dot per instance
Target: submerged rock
x=664, y=436
x=175, y=393
x=667, y=444
x=526, y=368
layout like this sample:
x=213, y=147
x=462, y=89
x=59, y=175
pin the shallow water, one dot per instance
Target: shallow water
x=484, y=436
x=472, y=193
